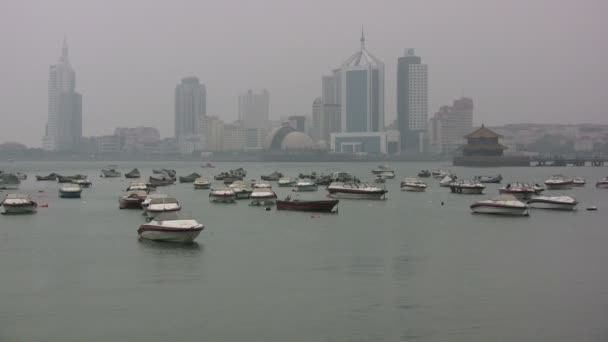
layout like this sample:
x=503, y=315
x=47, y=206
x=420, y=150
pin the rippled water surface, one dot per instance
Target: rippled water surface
x=404, y=269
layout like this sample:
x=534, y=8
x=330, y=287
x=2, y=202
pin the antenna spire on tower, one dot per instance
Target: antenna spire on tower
x=362, y=38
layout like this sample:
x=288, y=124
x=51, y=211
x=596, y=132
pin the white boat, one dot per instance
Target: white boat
x=84, y=183
x=553, y=202
x=521, y=190
x=447, y=180
x=384, y=171
x=287, y=182
x=70, y=191
x=501, y=205
x=162, y=205
x=602, y=184
x=201, y=183
x=18, y=204
x=356, y=191
x=262, y=185
x=222, y=195
x=262, y=197
x=558, y=182
x=171, y=227
x=149, y=199
x=439, y=174
x=132, y=199
x=9, y=181
x=467, y=187
x=241, y=189
x=306, y=185
x=579, y=182
x=138, y=185
x=110, y=172
x=413, y=184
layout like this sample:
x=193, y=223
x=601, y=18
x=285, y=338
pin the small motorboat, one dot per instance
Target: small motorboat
x=467, y=187
x=356, y=191
x=110, y=173
x=413, y=184
x=201, y=183
x=602, y=184
x=9, y=181
x=384, y=171
x=138, y=185
x=162, y=205
x=439, y=174
x=132, y=199
x=522, y=191
x=133, y=174
x=50, y=177
x=273, y=177
x=553, y=202
x=171, y=227
x=323, y=180
x=488, y=179
x=222, y=195
x=261, y=185
x=69, y=179
x=579, y=182
x=161, y=180
x=287, y=182
x=592, y=208
x=312, y=175
x=323, y=206
x=84, y=183
x=501, y=205
x=379, y=179
x=447, y=181
x=18, y=204
x=262, y=193
x=343, y=177
x=241, y=190
x=424, y=174
x=558, y=182
x=150, y=197
x=70, y=190
x=306, y=185
x=189, y=178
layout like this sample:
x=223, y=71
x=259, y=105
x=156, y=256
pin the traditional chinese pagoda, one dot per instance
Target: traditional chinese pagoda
x=483, y=148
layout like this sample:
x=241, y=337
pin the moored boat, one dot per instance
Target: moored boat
x=201, y=183
x=602, y=183
x=306, y=185
x=273, y=177
x=84, y=183
x=241, y=190
x=189, y=178
x=50, y=177
x=413, y=184
x=501, y=205
x=133, y=174
x=171, y=227
x=287, y=182
x=424, y=174
x=150, y=197
x=162, y=205
x=439, y=174
x=132, y=199
x=138, y=185
x=110, y=172
x=384, y=171
x=18, y=204
x=579, y=182
x=161, y=180
x=447, y=180
x=521, y=190
x=558, y=182
x=323, y=206
x=9, y=181
x=467, y=187
x=488, y=179
x=356, y=191
x=553, y=202
x=222, y=195
x=70, y=191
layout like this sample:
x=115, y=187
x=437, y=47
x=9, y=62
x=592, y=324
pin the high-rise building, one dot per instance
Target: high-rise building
x=362, y=92
x=190, y=107
x=412, y=101
x=64, y=125
x=449, y=125
x=254, y=109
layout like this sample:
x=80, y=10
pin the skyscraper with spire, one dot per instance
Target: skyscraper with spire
x=64, y=125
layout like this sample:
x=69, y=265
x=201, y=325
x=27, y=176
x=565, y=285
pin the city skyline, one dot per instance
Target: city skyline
x=515, y=73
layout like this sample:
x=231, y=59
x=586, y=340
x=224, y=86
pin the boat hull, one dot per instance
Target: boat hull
x=19, y=209
x=413, y=188
x=499, y=210
x=69, y=194
x=202, y=186
x=602, y=185
x=305, y=188
x=551, y=205
x=153, y=213
x=130, y=203
x=169, y=235
x=466, y=190
x=326, y=206
x=558, y=186
x=357, y=195
x=222, y=199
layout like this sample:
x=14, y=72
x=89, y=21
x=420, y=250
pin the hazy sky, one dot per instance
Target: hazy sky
x=520, y=60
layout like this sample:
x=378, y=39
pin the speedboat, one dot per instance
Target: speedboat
x=324, y=206
x=9, y=181
x=467, y=187
x=171, y=227
x=202, y=183
x=384, y=171
x=356, y=191
x=488, y=179
x=262, y=185
x=343, y=177
x=138, y=185
x=579, y=182
x=133, y=174
x=413, y=184
x=18, y=204
x=424, y=174
x=241, y=190
x=558, y=182
x=287, y=182
x=50, y=177
x=189, y=178
x=84, y=183
x=262, y=196
x=110, y=173
x=439, y=174
x=222, y=195
x=162, y=205
x=602, y=184
x=132, y=199
x=521, y=190
x=447, y=180
x=553, y=202
x=70, y=191
x=306, y=185
x=501, y=205
x=273, y=177
x=150, y=197
x=161, y=180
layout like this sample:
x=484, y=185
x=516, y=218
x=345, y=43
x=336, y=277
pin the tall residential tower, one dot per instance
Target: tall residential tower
x=412, y=101
x=190, y=107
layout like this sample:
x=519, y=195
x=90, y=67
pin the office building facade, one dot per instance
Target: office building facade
x=412, y=101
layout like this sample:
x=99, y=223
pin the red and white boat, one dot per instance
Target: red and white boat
x=501, y=205
x=171, y=227
x=413, y=184
x=602, y=184
x=467, y=187
x=558, y=182
x=579, y=182
x=356, y=191
x=19, y=204
x=553, y=202
x=132, y=199
x=162, y=205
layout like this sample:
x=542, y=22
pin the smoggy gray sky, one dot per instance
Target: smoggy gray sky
x=520, y=60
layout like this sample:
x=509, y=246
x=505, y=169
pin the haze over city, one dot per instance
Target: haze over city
x=521, y=61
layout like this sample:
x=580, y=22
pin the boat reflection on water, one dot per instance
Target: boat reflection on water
x=163, y=248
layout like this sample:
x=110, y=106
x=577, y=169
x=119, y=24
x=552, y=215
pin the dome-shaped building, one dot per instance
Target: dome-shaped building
x=287, y=138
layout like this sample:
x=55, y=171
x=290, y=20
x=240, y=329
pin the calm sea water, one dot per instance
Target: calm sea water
x=404, y=269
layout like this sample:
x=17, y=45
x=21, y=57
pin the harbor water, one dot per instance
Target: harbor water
x=414, y=267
